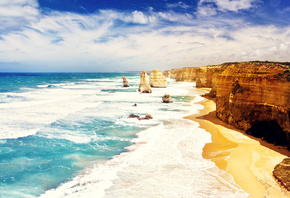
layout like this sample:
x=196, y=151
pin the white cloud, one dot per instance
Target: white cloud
x=17, y=13
x=179, y=4
x=211, y=7
x=207, y=10
x=107, y=40
x=235, y=5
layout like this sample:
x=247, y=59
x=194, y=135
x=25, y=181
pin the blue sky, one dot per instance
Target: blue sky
x=128, y=35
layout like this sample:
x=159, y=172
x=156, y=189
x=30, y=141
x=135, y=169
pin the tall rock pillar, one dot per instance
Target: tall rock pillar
x=144, y=86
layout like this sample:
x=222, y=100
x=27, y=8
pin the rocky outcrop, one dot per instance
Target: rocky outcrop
x=157, y=79
x=166, y=98
x=125, y=82
x=134, y=116
x=144, y=86
x=147, y=116
x=255, y=97
x=282, y=173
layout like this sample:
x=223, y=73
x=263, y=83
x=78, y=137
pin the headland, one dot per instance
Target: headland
x=248, y=118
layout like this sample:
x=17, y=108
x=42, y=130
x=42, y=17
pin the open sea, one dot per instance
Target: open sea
x=69, y=135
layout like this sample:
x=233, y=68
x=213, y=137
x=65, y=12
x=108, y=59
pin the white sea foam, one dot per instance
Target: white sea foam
x=21, y=118
x=165, y=161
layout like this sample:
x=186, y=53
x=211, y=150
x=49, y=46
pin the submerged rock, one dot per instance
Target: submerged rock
x=125, y=82
x=282, y=173
x=157, y=79
x=144, y=86
x=166, y=98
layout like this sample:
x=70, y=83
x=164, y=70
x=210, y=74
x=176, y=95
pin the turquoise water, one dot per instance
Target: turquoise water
x=55, y=125
x=33, y=162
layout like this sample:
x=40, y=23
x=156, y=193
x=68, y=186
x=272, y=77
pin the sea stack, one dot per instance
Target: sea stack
x=157, y=79
x=125, y=82
x=144, y=86
x=166, y=98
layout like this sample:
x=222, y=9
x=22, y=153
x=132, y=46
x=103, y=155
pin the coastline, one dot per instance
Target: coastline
x=249, y=162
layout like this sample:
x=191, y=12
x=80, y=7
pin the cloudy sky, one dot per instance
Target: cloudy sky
x=129, y=35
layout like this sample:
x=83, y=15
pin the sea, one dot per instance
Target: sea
x=69, y=135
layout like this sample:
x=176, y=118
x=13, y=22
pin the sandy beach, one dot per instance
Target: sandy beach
x=250, y=163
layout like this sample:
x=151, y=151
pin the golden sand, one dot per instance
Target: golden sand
x=250, y=163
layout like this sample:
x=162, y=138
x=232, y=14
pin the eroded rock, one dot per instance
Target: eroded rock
x=144, y=86
x=282, y=173
x=166, y=98
x=125, y=82
x=147, y=116
x=157, y=79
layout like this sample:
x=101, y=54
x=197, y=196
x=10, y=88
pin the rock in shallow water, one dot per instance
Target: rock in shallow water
x=125, y=82
x=166, y=98
x=282, y=173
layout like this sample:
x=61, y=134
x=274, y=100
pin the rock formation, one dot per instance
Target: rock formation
x=207, y=76
x=183, y=74
x=157, y=79
x=134, y=116
x=125, y=82
x=204, y=76
x=255, y=97
x=282, y=173
x=166, y=98
x=252, y=96
x=144, y=86
x=147, y=116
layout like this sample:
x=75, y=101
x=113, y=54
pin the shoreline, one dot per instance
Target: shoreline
x=249, y=160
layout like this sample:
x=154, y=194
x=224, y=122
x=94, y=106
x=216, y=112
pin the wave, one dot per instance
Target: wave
x=165, y=161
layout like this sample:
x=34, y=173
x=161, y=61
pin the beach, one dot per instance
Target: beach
x=250, y=163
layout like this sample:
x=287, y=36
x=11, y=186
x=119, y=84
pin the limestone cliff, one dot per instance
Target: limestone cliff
x=203, y=76
x=207, y=75
x=171, y=73
x=255, y=97
x=252, y=96
x=157, y=79
x=182, y=74
x=144, y=86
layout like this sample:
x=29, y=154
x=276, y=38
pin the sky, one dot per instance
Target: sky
x=132, y=35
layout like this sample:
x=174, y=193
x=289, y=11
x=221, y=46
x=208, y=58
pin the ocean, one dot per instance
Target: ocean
x=69, y=135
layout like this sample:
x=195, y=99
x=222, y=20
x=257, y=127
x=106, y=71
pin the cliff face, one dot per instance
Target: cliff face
x=207, y=77
x=157, y=79
x=203, y=76
x=182, y=74
x=255, y=97
x=252, y=96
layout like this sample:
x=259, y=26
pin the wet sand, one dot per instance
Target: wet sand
x=249, y=160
